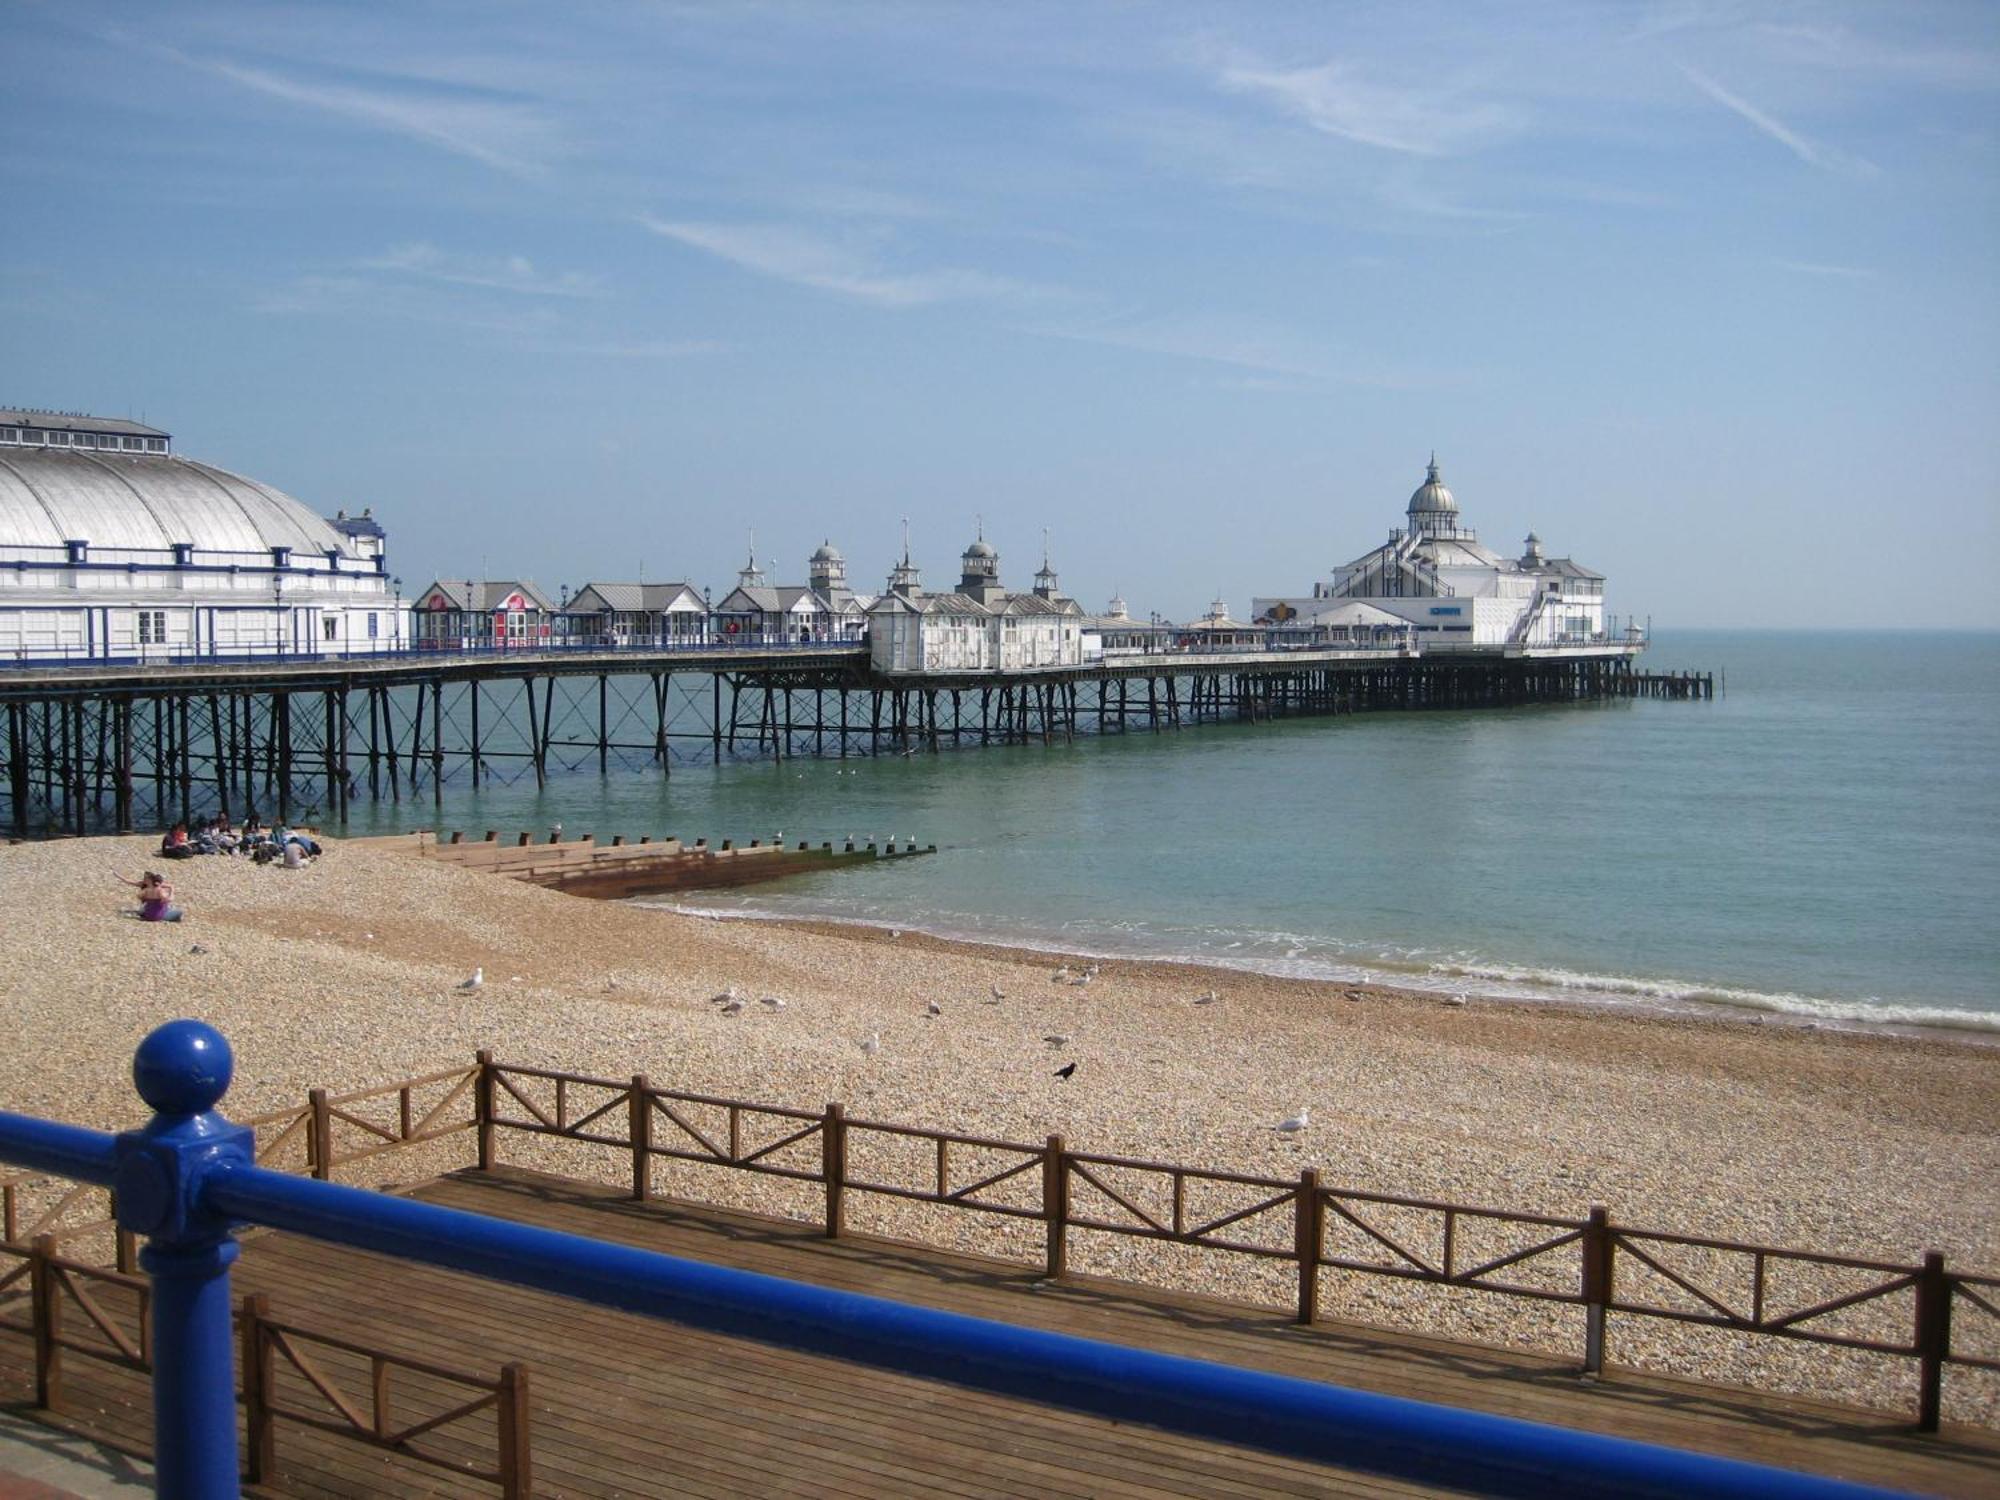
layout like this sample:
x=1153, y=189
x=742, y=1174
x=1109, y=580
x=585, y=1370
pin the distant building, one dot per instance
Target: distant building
x=113, y=547
x=636, y=614
x=1454, y=592
x=467, y=614
x=824, y=609
x=980, y=627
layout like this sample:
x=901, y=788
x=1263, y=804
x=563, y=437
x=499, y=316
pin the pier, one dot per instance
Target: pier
x=115, y=747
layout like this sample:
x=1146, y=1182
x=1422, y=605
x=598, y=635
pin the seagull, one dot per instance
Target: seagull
x=895, y=932
x=998, y=993
x=476, y=982
x=733, y=1008
x=1065, y=1070
x=933, y=1009
x=774, y=1002
x=1454, y=1000
x=197, y=948
x=1057, y=1039
x=724, y=998
x=369, y=936
x=1081, y=979
x=1295, y=1124
x=1061, y=976
x=555, y=832
x=1208, y=997
x=872, y=1043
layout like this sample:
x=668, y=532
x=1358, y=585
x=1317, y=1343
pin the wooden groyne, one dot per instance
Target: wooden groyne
x=650, y=867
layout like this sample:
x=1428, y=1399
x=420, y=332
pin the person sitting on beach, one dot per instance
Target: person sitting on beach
x=175, y=845
x=224, y=836
x=156, y=898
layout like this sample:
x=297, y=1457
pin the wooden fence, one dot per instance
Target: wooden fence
x=115, y=1327
x=1919, y=1311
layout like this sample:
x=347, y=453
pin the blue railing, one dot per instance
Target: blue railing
x=188, y=1176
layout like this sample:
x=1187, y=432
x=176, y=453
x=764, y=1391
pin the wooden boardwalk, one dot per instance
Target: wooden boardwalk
x=628, y=1406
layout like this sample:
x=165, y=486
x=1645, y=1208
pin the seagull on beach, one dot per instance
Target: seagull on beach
x=1295, y=1124
x=724, y=998
x=772, y=1002
x=933, y=1009
x=1061, y=976
x=1207, y=997
x=998, y=993
x=1057, y=1039
x=476, y=982
x=872, y=1043
x=733, y=1008
x=197, y=948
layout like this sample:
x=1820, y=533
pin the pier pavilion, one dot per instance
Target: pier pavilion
x=114, y=547
x=1456, y=593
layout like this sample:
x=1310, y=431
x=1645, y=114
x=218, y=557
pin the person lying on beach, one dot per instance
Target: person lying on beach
x=156, y=897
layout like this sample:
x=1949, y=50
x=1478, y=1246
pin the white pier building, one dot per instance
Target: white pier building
x=115, y=548
x=1454, y=592
x=979, y=627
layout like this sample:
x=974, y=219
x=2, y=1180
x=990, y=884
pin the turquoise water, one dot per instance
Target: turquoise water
x=1820, y=839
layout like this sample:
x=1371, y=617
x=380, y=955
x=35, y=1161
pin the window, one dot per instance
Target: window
x=372, y=626
x=10, y=435
x=60, y=439
x=133, y=445
x=156, y=445
x=330, y=627
x=152, y=627
x=31, y=434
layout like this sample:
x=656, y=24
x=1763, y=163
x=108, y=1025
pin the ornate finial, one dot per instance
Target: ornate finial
x=183, y=1068
x=1045, y=547
x=1434, y=465
x=978, y=527
x=906, y=541
x=753, y=547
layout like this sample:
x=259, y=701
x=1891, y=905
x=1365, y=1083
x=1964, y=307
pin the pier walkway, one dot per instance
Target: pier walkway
x=623, y=1405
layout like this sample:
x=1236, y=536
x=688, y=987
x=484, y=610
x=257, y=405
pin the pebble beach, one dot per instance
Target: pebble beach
x=347, y=973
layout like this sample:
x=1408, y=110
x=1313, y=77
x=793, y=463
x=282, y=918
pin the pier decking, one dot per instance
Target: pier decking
x=622, y=1405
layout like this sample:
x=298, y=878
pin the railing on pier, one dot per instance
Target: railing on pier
x=1917, y=1310
x=71, y=1308
x=1897, y=1310
x=189, y=1176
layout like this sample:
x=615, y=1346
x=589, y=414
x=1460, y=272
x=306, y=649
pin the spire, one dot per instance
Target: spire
x=1434, y=466
x=1045, y=548
x=906, y=541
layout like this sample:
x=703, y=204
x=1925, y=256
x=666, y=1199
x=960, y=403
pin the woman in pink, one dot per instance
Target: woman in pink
x=156, y=898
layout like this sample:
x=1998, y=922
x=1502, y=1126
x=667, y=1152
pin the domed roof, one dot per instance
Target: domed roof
x=149, y=504
x=981, y=548
x=1431, y=495
x=827, y=552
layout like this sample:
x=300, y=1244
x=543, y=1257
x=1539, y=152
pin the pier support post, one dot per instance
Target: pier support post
x=1933, y=1339
x=1597, y=1250
x=833, y=1168
x=1055, y=1205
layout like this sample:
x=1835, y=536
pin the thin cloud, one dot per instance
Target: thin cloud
x=508, y=137
x=500, y=273
x=1807, y=151
x=1239, y=345
x=1336, y=100
x=847, y=268
x=1822, y=268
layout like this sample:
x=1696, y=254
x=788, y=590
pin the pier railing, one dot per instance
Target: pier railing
x=69, y=1308
x=1917, y=1310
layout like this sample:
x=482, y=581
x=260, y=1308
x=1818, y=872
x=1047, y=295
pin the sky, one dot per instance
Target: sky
x=1702, y=292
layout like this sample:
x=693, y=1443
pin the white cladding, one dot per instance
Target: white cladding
x=147, y=556
x=1455, y=592
x=952, y=633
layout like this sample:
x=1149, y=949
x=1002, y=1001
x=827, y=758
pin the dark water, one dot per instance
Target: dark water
x=1824, y=838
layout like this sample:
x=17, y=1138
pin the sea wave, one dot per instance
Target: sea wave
x=1292, y=955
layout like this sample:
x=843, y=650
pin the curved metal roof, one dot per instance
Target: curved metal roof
x=1431, y=495
x=150, y=504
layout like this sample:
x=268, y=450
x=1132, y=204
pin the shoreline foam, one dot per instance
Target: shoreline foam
x=1615, y=994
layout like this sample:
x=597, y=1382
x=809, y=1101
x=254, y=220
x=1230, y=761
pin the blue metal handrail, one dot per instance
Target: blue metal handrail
x=188, y=1174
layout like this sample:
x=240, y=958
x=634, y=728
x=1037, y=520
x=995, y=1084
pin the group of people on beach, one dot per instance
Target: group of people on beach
x=280, y=846
x=215, y=836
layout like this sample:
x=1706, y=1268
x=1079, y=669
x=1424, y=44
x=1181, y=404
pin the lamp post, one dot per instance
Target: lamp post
x=397, y=584
x=278, y=612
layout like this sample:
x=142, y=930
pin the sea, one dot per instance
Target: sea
x=1820, y=842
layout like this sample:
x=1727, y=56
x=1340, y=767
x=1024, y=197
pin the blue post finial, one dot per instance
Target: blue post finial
x=183, y=1068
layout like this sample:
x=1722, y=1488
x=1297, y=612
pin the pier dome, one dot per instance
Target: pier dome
x=826, y=552
x=154, y=504
x=1431, y=497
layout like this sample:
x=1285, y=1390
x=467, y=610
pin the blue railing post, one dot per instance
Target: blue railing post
x=182, y=1069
